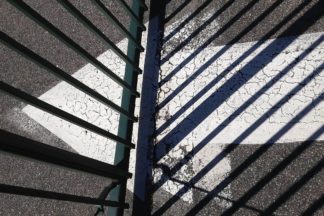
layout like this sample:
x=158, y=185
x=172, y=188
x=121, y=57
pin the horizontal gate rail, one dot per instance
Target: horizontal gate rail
x=85, y=21
x=31, y=13
x=60, y=113
x=10, y=189
x=16, y=144
x=114, y=20
x=13, y=44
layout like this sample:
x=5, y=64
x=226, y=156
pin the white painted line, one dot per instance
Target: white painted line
x=79, y=104
x=229, y=132
x=94, y=146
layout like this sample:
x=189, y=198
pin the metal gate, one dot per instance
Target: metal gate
x=114, y=195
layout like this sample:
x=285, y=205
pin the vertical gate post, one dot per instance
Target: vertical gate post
x=125, y=127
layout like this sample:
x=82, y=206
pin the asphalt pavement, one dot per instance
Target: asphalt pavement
x=280, y=179
x=29, y=77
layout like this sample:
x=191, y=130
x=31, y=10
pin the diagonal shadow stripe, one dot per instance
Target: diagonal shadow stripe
x=205, y=24
x=218, y=196
x=239, y=110
x=314, y=207
x=240, y=168
x=294, y=188
x=252, y=158
x=228, y=69
x=230, y=87
x=288, y=193
x=274, y=172
x=177, y=10
x=186, y=21
x=218, y=34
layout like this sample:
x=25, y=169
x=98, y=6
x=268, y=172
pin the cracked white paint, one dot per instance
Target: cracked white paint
x=75, y=102
x=174, y=117
x=230, y=132
x=190, y=168
x=89, y=144
x=265, y=101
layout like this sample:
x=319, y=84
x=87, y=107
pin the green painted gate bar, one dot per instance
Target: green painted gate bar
x=125, y=128
x=113, y=196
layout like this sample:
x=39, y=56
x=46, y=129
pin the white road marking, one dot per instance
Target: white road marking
x=230, y=132
x=94, y=146
x=70, y=99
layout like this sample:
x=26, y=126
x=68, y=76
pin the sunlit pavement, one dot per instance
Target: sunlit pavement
x=239, y=101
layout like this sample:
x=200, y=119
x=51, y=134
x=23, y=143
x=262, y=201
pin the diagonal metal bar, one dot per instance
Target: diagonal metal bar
x=132, y=14
x=62, y=114
x=23, y=146
x=88, y=24
x=13, y=44
x=31, y=13
x=114, y=20
x=10, y=189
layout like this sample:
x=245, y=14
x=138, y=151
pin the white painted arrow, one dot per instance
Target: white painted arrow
x=89, y=144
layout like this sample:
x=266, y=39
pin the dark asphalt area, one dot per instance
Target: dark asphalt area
x=27, y=76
